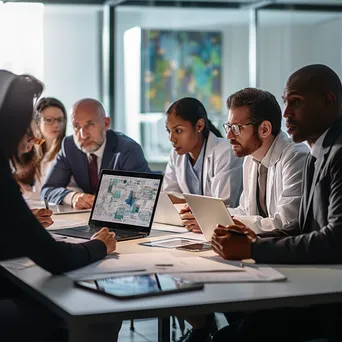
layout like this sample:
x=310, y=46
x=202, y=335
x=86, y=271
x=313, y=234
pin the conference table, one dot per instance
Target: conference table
x=90, y=316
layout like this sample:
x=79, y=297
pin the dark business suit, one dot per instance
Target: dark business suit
x=120, y=153
x=316, y=237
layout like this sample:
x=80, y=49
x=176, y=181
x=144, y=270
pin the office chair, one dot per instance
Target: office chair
x=181, y=324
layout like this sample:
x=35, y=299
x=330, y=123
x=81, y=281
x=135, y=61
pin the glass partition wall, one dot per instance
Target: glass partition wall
x=169, y=53
x=165, y=53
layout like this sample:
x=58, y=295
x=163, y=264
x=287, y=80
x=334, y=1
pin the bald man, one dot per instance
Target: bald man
x=313, y=99
x=92, y=147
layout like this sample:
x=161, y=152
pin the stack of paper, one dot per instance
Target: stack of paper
x=153, y=263
x=18, y=263
x=169, y=228
x=198, y=269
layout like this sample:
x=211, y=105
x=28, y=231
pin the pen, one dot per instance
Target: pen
x=46, y=203
x=163, y=265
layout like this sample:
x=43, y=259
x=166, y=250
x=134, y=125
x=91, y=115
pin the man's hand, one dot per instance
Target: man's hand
x=230, y=246
x=107, y=237
x=43, y=216
x=176, y=200
x=83, y=201
x=243, y=228
x=188, y=220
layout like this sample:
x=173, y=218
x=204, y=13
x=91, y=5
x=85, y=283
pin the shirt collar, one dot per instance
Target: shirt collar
x=99, y=153
x=317, y=147
x=266, y=161
x=200, y=156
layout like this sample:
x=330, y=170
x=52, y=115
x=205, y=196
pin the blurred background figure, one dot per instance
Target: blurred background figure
x=48, y=130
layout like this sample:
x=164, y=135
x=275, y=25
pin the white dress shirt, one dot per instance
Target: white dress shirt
x=99, y=154
x=285, y=163
x=45, y=167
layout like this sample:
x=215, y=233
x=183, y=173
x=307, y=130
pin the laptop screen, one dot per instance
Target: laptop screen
x=126, y=200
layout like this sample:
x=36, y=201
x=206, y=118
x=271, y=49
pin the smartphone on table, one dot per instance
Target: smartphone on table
x=137, y=286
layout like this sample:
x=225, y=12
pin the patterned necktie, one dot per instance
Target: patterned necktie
x=261, y=190
x=93, y=172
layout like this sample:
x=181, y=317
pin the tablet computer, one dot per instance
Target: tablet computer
x=208, y=212
x=137, y=286
x=169, y=242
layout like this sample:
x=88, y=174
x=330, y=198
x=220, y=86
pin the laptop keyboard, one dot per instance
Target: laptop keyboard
x=85, y=229
x=119, y=234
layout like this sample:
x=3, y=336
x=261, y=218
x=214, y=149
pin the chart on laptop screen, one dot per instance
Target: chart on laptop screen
x=127, y=200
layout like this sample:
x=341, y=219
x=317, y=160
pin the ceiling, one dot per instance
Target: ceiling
x=194, y=19
x=330, y=5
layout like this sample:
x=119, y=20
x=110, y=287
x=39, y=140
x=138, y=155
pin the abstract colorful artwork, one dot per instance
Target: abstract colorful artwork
x=176, y=64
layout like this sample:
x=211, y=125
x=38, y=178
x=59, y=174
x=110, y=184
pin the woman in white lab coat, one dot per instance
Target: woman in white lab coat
x=201, y=161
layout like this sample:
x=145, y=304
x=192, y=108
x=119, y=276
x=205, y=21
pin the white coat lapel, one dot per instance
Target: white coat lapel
x=275, y=154
x=252, y=181
x=181, y=171
x=269, y=188
x=205, y=175
x=211, y=143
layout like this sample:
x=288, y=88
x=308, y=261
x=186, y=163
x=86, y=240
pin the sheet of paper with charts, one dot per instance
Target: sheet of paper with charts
x=126, y=200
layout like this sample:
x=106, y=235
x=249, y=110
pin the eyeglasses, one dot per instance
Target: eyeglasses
x=235, y=128
x=49, y=120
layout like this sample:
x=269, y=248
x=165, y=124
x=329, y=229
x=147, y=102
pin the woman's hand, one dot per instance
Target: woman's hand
x=43, y=216
x=107, y=237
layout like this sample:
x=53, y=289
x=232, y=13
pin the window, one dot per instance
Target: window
x=21, y=38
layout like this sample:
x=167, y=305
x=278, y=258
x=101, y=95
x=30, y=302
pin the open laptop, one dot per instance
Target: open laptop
x=208, y=212
x=166, y=211
x=125, y=202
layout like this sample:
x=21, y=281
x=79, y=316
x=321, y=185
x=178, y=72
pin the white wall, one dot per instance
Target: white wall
x=288, y=47
x=71, y=52
x=235, y=67
x=326, y=39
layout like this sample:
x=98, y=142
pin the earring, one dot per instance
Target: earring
x=199, y=131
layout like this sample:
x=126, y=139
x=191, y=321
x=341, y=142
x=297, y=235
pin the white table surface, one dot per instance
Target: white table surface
x=305, y=285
